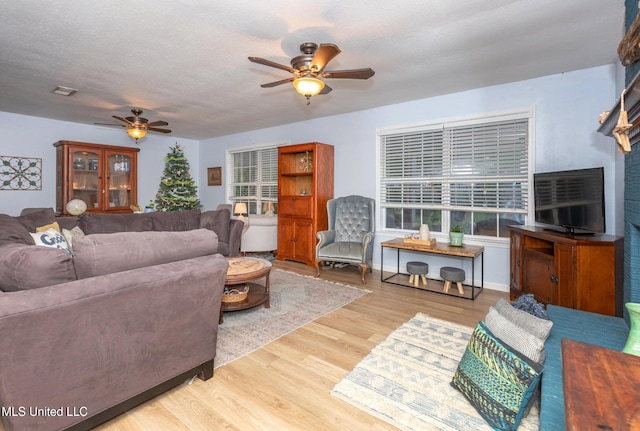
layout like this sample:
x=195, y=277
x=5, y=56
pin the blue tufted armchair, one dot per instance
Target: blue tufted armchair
x=350, y=235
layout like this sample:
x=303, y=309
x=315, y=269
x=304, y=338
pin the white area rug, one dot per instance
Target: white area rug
x=405, y=380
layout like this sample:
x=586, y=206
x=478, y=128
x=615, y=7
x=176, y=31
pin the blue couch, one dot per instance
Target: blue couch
x=605, y=331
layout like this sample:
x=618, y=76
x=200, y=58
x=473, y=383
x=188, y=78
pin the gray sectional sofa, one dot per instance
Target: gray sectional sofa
x=133, y=312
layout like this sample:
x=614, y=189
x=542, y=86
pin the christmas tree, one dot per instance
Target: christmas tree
x=178, y=191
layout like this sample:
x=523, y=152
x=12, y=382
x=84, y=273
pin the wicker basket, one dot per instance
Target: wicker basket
x=235, y=293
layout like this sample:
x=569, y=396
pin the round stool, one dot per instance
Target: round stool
x=449, y=275
x=417, y=270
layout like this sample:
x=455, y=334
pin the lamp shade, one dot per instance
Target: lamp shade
x=136, y=133
x=308, y=86
x=240, y=208
x=76, y=207
x=268, y=208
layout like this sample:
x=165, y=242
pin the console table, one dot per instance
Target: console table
x=601, y=387
x=466, y=252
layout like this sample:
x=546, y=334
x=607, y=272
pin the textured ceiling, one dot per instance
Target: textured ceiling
x=185, y=61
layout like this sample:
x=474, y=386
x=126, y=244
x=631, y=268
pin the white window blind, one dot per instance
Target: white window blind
x=478, y=166
x=253, y=177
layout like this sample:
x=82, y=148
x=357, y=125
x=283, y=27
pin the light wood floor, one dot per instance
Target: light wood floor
x=286, y=385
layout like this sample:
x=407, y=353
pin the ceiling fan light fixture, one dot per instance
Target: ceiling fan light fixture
x=136, y=133
x=308, y=86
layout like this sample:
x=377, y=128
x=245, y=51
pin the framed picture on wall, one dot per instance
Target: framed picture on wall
x=214, y=176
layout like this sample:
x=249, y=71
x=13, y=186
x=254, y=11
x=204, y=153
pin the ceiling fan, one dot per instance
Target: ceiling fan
x=308, y=68
x=137, y=127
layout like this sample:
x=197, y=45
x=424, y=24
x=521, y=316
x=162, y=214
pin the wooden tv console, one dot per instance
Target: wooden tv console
x=576, y=271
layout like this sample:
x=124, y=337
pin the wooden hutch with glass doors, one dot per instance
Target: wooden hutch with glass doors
x=103, y=176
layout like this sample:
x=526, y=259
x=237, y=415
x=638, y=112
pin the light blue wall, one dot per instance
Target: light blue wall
x=566, y=107
x=26, y=136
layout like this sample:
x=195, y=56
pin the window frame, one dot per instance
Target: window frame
x=255, y=201
x=471, y=120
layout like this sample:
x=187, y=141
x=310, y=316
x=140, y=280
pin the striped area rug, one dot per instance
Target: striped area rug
x=405, y=380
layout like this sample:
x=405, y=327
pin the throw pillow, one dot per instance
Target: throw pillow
x=497, y=381
x=530, y=323
x=51, y=238
x=515, y=336
x=53, y=225
x=69, y=234
x=12, y=231
x=528, y=303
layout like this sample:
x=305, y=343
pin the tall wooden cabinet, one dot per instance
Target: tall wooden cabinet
x=103, y=176
x=576, y=271
x=305, y=184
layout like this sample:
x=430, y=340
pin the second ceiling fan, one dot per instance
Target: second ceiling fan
x=308, y=68
x=137, y=127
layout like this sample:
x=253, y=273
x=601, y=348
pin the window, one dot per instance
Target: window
x=253, y=178
x=472, y=173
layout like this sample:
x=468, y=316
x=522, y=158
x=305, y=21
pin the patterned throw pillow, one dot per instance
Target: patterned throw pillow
x=497, y=381
x=51, y=238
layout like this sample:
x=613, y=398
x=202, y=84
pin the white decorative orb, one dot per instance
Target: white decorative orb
x=76, y=207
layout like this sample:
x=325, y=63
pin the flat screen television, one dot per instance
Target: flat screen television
x=572, y=200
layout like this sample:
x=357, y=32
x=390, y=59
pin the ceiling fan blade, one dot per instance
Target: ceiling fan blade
x=110, y=124
x=153, y=129
x=122, y=119
x=351, y=74
x=272, y=64
x=276, y=83
x=325, y=53
x=325, y=90
x=157, y=123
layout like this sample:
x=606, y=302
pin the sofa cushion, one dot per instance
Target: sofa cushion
x=91, y=223
x=25, y=267
x=497, y=381
x=37, y=218
x=100, y=254
x=591, y=328
x=17, y=229
x=217, y=221
x=12, y=231
x=175, y=221
x=51, y=238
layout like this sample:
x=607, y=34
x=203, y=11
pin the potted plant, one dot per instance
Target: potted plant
x=455, y=236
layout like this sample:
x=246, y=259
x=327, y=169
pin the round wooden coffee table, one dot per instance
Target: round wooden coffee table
x=246, y=270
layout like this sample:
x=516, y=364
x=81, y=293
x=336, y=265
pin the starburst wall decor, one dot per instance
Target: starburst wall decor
x=20, y=173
